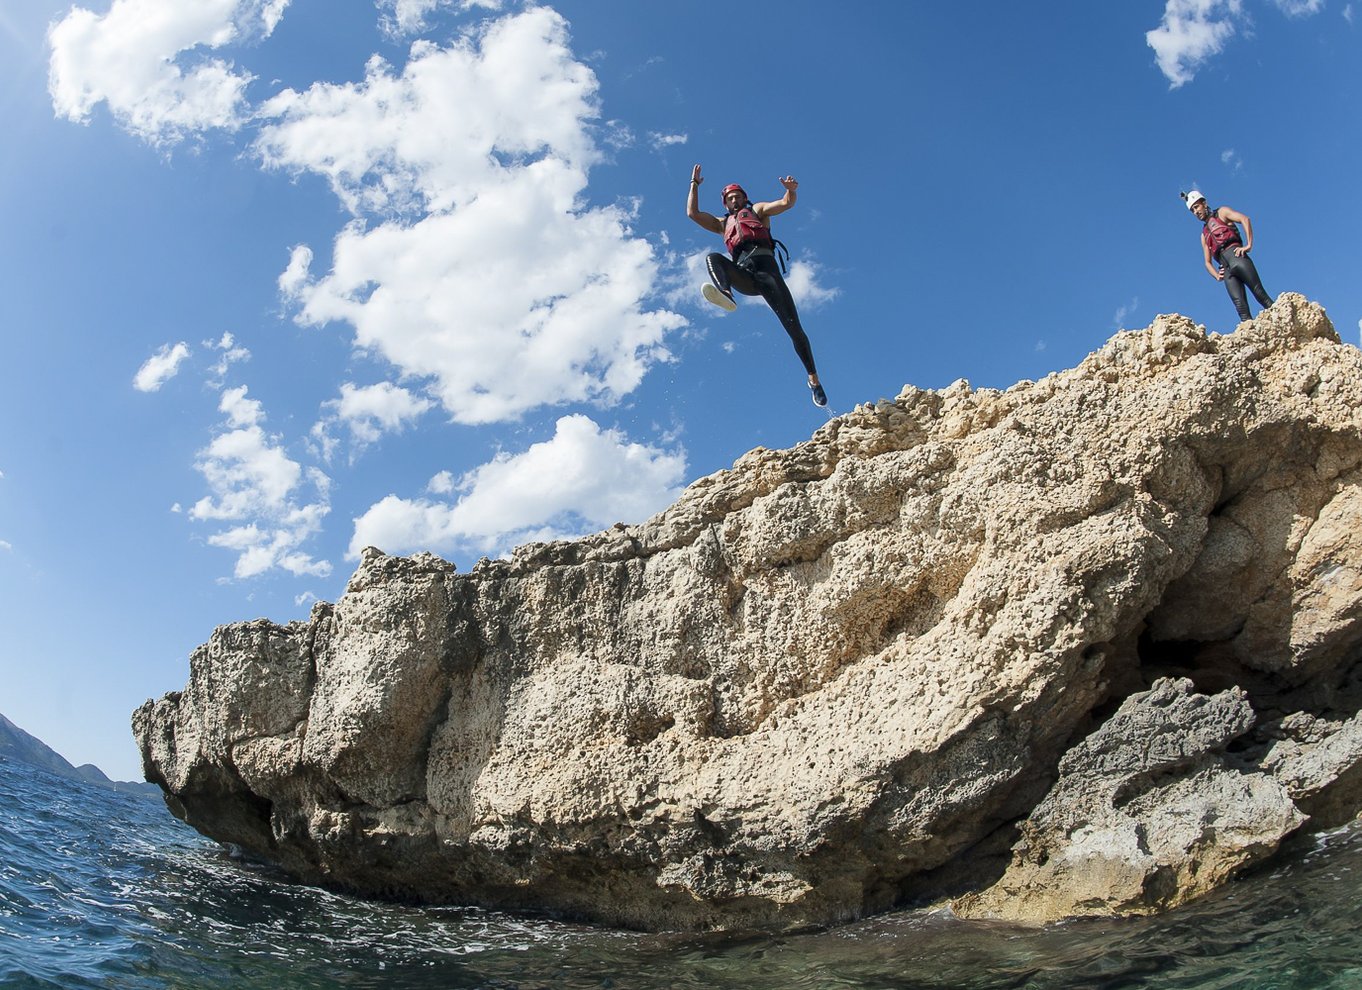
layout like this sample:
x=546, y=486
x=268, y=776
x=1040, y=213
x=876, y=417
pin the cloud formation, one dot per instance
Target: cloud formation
x=256, y=485
x=597, y=477
x=367, y=412
x=484, y=275
x=146, y=60
x=1192, y=31
x=475, y=266
x=161, y=367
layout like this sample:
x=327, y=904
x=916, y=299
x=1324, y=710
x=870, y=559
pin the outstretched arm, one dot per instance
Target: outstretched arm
x=1225, y=213
x=779, y=206
x=707, y=220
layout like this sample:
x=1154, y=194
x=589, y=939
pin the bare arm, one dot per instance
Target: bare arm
x=707, y=220
x=1225, y=213
x=779, y=206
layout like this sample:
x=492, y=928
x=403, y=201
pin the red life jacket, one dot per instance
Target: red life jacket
x=1218, y=234
x=745, y=227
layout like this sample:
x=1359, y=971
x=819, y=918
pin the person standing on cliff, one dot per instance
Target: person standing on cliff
x=751, y=267
x=1221, y=242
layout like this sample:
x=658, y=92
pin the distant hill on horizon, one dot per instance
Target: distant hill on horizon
x=16, y=744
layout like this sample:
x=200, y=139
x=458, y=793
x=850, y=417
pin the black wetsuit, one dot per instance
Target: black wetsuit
x=1240, y=271
x=757, y=273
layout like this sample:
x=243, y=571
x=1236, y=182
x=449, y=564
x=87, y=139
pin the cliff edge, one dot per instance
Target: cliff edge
x=1086, y=646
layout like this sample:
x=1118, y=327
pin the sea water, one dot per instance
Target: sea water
x=104, y=889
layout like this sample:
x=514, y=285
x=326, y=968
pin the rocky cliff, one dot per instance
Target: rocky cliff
x=1089, y=645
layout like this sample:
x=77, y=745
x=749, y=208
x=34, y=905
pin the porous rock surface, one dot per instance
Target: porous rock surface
x=1109, y=621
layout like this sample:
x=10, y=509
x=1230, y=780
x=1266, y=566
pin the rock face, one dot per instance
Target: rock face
x=1110, y=619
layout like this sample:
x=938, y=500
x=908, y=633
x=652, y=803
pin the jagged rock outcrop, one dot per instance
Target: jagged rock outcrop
x=1110, y=619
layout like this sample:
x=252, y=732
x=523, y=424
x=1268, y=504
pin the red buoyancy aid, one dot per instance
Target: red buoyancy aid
x=1218, y=234
x=743, y=227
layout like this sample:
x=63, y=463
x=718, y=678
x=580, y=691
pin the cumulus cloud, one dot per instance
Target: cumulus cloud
x=581, y=480
x=484, y=274
x=1191, y=32
x=1194, y=30
x=147, y=60
x=804, y=285
x=160, y=368
x=367, y=412
x=255, y=485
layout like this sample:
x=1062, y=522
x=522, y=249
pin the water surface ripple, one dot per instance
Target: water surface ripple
x=101, y=889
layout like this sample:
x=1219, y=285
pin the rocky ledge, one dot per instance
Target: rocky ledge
x=1086, y=646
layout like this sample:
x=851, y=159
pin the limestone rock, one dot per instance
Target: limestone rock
x=1149, y=811
x=826, y=680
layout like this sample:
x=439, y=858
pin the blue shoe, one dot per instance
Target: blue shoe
x=820, y=398
x=718, y=297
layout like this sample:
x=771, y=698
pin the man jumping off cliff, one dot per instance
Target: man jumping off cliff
x=1220, y=240
x=752, y=268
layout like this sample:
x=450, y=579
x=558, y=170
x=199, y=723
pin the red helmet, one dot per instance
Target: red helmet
x=731, y=187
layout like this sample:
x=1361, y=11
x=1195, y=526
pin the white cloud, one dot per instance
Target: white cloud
x=804, y=286
x=6, y=545
x=488, y=277
x=368, y=412
x=1232, y=160
x=581, y=480
x=1194, y=30
x=145, y=60
x=1348, y=13
x=1191, y=32
x=294, y=279
x=456, y=120
x=402, y=18
x=1299, y=8
x=659, y=141
x=441, y=484
x=406, y=17
x=230, y=354
x=255, y=484
x=160, y=368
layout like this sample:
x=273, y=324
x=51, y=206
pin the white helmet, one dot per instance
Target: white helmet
x=1193, y=198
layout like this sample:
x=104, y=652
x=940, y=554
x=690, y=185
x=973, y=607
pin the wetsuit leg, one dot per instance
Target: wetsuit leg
x=766, y=274
x=1235, y=288
x=1240, y=271
x=728, y=276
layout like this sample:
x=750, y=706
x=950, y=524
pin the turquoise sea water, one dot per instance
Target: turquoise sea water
x=99, y=889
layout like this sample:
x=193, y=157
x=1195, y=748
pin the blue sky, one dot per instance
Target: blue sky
x=283, y=278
